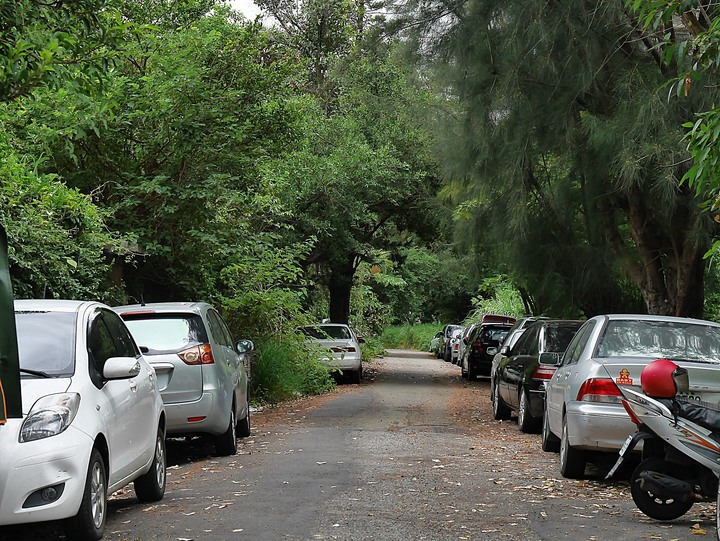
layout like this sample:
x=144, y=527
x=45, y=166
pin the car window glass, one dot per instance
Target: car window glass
x=557, y=338
x=525, y=343
x=123, y=341
x=327, y=332
x=218, y=329
x=101, y=347
x=578, y=343
x=46, y=341
x=668, y=339
x=166, y=333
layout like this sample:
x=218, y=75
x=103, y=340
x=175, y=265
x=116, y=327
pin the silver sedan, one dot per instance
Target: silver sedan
x=584, y=412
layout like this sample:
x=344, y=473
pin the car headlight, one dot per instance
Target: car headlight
x=49, y=416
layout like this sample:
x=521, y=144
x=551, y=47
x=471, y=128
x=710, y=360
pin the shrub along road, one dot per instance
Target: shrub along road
x=410, y=454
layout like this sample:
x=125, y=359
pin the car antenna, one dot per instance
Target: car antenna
x=142, y=299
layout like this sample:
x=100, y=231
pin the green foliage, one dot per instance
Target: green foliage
x=559, y=135
x=44, y=43
x=415, y=337
x=263, y=291
x=497, y=296
x=288, y=369
x=59, y=245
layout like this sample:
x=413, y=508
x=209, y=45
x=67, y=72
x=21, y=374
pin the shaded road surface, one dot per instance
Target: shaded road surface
x=411, y=454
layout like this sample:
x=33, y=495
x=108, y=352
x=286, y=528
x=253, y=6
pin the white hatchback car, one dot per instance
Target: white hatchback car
x=92, y=422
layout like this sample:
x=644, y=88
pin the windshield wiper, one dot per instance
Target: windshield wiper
x=38, y=373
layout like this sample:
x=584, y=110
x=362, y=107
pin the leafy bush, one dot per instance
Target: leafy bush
x=415, y=337
x=372, y=348
x=59, y=244
x=287, y=369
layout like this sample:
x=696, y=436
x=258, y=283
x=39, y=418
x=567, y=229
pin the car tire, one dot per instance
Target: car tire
x=500, y=410
x=357, y=375
x=654, y=506
x=526, y=422
x=572, y=461
x=550, y=442
x=226, y=443
x=89, y=522
x=242, y=429
x=150, y=487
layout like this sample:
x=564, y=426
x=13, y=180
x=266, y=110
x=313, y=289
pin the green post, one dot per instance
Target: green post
x=10, y=402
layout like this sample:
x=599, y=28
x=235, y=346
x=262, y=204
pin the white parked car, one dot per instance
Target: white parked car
x=93, y=420
x=583, y=408
x=343, y=344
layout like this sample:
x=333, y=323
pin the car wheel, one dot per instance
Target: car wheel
x=657, y=507
x=150, y=487
x=572, y=461
x=526, y=422
x=89, y=523
x=356, y=376
x=500, y=409
x=226, y=443
x=550, y=442
x=242, y=430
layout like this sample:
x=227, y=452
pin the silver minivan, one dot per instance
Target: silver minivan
x=200, y=368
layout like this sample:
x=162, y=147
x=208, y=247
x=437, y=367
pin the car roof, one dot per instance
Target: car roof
x=49, y=305
x=327, y=325
x=654, y=317
x=163, y=307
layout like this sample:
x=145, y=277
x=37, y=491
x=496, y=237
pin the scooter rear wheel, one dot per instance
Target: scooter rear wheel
x=654, y=506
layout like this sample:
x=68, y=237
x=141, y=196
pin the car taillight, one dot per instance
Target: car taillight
x=544, y=371
x=201, y=354
x=600, y=390
x=457, y=347
x=347, y=349
x=477, y=347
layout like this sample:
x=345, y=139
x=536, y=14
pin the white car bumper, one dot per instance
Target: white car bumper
x=27, y=468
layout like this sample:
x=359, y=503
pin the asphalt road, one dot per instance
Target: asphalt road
x=410, y=454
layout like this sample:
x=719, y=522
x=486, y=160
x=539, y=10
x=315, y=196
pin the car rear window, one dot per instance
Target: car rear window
x=329, y=332
x=667, y=339
x=492, y=333
x=558, y=338
x=46, y=342
x=162, y=333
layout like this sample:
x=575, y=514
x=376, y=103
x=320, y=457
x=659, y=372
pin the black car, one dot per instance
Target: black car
x=476, y=360
x=518, y=381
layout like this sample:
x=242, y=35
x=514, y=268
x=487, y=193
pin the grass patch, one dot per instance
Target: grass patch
x=286, y=370
x=415, y=337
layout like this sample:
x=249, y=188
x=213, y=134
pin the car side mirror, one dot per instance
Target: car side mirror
x=505, y=350
x=244, y=346
x=550, y=358
x=121, y=368
x=491, y=351
x=361, y=340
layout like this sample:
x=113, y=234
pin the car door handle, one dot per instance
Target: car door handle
x=133, y=386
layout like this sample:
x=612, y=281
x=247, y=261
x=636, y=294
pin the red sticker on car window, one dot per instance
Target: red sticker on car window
x=624, y=378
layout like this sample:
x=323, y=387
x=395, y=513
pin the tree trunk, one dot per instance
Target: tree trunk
x=670, y=269
x=340, y=286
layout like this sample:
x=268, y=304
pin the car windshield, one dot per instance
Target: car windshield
x=667, y=339
x=46, y=342
x=490, y=334
x=162, y=333
x=327, y=332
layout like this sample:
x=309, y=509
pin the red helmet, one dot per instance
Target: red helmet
x=663, y=379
